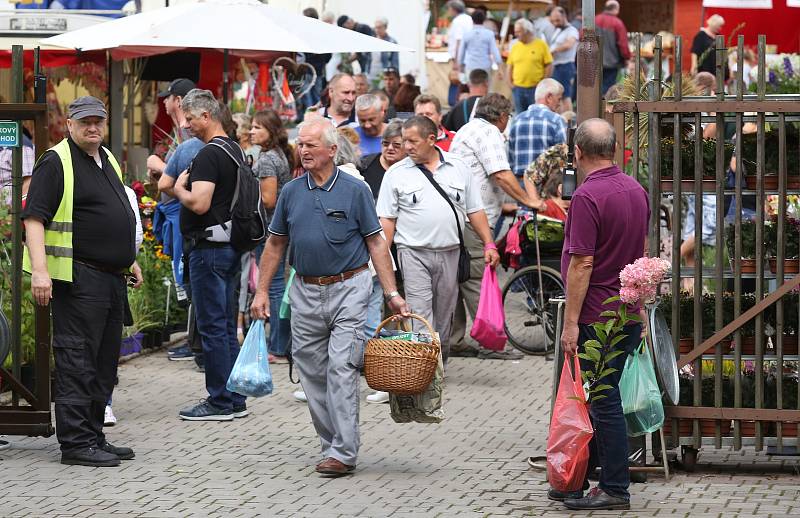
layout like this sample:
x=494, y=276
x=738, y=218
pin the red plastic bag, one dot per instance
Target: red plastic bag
x=489, y=326
x=570, y=433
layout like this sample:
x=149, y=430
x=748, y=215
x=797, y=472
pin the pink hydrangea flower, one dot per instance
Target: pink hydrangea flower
x=640, y=280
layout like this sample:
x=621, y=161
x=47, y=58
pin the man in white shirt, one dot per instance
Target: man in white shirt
x=563, y=45
x=417, y=217
x=459, y=26
x=481, y=145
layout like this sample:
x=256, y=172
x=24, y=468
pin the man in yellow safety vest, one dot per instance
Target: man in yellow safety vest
x=80, y=237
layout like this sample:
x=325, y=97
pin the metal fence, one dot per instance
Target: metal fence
x=741, y=317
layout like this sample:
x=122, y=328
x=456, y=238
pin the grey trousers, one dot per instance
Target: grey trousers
x=469, y=292
x=431, y=286
x=328, y=350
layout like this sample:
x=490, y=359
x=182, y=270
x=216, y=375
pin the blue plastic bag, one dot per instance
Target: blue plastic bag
x=641, y=397
x=250, y=375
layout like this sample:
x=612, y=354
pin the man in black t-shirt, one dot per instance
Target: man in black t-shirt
x=80, y=236
x=463, y=111
x=704, y=55
x=205, y=192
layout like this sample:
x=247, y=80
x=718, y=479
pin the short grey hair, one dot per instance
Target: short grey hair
x=329, y=134
x=383, y=21
x=525, y=25
x=457, y=6
x=492, y=107
x=368, y=101
x=547, y=86
x=199, y=101
x=346, y=153
x=596, y=138
x=393, y=129
x=328, y=16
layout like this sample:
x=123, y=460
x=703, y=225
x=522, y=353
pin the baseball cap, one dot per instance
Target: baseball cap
x=86, y=106
x=179, y=87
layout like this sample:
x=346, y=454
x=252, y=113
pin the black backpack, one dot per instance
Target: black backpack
x=248, y=216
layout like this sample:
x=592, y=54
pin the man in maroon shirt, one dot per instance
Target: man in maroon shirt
x=606, y=230
x=614, y=38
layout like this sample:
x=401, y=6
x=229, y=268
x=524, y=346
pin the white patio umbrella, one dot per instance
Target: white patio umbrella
x=241, y=26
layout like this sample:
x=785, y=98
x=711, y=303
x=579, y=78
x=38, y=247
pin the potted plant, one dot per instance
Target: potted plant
x=791, y=239
x=132, y=336
x=771, y=157
x=748, y=235
x=687, y=153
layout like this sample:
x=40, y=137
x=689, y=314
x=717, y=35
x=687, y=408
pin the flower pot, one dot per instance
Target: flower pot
x=790, y=266
x=131, y=345
x=709, y=184
x=771, y=182
x=749, y=344
x=686, y=345
x=748, y=428
x=748, y=266
x=708, y=427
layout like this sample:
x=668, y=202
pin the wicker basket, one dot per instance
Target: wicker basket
x=401, y=367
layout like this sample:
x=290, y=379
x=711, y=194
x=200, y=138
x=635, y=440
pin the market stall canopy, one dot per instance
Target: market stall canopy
x=242, y=26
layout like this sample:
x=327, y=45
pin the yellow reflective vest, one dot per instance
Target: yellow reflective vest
x=58, y=233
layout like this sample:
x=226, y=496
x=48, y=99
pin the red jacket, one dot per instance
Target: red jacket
x=444, y=139
x=610, y=26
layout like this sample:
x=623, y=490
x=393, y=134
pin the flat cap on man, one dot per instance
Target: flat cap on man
x=179, y=87
x=86, y=106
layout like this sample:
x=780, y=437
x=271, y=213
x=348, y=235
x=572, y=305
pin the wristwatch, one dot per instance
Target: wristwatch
x=392, y=294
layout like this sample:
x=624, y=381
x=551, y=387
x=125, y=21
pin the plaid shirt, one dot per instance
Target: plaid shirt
x=483, y=148
x=532, y=132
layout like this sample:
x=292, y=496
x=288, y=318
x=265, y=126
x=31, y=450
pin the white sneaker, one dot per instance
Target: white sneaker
x=300, y=396
x=109, y=419
x=378, y=397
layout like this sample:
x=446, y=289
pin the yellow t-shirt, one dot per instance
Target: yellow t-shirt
x=529, y=61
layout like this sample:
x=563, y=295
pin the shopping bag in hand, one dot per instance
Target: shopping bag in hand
x=489, y=326
x=641, y=397
x=286, y=306
x=570, y=433
x=250, y=375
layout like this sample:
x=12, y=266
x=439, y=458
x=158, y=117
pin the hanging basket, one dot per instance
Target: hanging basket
x=402, y=367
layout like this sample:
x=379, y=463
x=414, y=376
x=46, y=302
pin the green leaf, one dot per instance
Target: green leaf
x=576, y=398
x=585, y=375
x=602, y=387
x=594, y=344
x=606, y=372
x=595, y=398
x=611, y=299
x=617, y=339
x=608, y=314
x=594, y=353
x=610, y=326
x=610, y=356
x=634, y=318
x=586, y=357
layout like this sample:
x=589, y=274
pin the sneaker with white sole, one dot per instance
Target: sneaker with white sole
x=240, y=411
x=300, y=396
x=109, y=419
x=378, y=397
x=205, y=411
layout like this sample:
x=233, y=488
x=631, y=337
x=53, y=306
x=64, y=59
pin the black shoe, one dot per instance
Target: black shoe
x=93, y=457
x=597, y=499
x=120, y=451
x=560, y=496
x=205, y=411
x=465, y=350
x=240, y=411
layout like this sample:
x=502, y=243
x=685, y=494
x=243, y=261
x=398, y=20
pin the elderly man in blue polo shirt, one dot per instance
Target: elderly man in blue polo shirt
x=328, y=220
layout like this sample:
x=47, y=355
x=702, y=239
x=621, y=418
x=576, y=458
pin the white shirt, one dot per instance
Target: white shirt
x=423, y=218
x=135, y=206
x=483, y=148
x=558, y=38
x=460, y=25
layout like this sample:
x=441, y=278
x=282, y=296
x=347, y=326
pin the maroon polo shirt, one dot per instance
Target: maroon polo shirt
x=607, y=219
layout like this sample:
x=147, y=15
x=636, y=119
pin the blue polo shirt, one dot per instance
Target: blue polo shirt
x=326, y=224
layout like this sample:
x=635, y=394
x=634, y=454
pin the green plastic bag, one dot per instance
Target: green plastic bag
x=641, y=397
x=286, y=306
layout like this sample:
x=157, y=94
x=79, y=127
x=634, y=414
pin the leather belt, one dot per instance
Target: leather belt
x=333, y=279
x=100, y=267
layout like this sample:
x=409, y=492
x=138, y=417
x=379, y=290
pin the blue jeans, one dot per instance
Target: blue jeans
x=523, y=97
x=279, y=328
x=374, y=309
x=609, y=79
x=609, y=446
x=214, y=275
x=565, y=74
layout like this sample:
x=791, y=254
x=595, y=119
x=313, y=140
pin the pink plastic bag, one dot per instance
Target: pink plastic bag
x=489, y=326
x=512, y=244
x=570, y=433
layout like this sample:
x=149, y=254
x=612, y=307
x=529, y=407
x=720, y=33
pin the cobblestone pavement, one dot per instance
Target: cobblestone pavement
x=471, y=465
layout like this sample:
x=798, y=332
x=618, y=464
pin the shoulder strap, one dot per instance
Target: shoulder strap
x=439, y=189
x=223, y=145
x=474, y=107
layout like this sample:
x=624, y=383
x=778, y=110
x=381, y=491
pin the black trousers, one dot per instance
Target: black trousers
x=87, y=334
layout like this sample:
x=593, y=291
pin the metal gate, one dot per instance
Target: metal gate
x=741, y=363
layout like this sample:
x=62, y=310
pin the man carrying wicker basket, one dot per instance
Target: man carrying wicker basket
x=329, y=222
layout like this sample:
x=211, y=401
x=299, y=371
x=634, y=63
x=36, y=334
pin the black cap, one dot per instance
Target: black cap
x=342, y=20
x=179, y=87
x=391, y=70
x=86, y=106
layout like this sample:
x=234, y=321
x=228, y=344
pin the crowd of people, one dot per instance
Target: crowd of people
x=370, y=207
